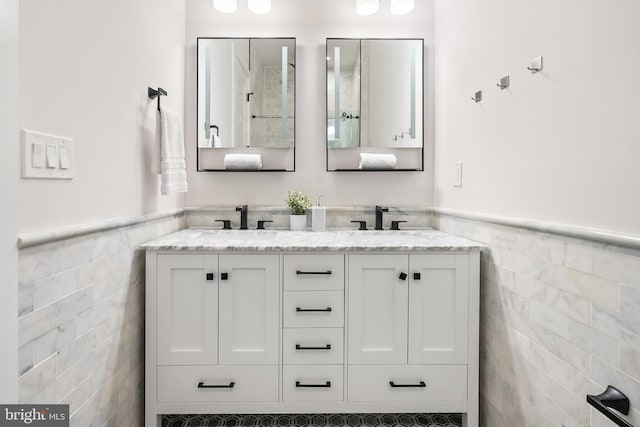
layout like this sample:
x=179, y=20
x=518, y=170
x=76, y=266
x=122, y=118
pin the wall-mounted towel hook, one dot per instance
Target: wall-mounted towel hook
x=611, y=398
x=153, y=94
x=504, y=82
x=536, y=65
x=477, y=97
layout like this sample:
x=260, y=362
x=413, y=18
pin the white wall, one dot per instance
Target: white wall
x=559, y=146
x=311, y=22
x=85, y=68
x=9, y=123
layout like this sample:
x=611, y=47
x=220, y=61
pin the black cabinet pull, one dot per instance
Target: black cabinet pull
x=421, y=384
x=326, y=347
x=325, y=273
x=402, y=276
x=325, y=385
x=224, y=276
x=209, y=276
x=203, y=385
x=416, y=276
x=311, y=310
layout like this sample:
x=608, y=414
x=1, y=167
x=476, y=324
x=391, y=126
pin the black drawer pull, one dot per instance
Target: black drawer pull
x=209, y=276
x=325, y=385
x=416, y=276
x=224, y=276
x=402, y=276
x=421, y=384
x=326, y=347
x=326, y=273
x=311, y=310
x=203, y=385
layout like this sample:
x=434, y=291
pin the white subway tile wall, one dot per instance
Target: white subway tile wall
x=81, y=323
x=560, y=318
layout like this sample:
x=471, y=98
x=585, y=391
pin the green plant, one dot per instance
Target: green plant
x=298, y=202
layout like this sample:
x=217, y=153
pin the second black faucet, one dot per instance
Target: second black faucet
x=243, y=209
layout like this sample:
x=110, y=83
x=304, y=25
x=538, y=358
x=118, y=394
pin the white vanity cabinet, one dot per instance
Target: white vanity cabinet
x=281, y=329
x=408, y=309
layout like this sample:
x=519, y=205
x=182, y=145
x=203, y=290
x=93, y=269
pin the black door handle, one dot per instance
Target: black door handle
x=326, y=347
x=203, y=385
x=421, y=384
x=311, y=310
x=325, y=385
x=328, y=272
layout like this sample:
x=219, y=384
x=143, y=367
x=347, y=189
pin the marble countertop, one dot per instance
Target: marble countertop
x=210, y=239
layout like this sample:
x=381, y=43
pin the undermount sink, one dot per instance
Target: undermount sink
x=240, y=235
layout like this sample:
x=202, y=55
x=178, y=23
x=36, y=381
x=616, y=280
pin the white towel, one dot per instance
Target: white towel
x=169, y=161
x=213, y=142
x=377, y=161
x=243, y=161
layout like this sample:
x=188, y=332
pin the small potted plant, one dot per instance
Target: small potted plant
x=298, y=203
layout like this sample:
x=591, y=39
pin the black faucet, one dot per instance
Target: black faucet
x=243, y=216
x=379, y=211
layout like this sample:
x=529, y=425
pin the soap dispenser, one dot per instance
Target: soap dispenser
x=318, y=217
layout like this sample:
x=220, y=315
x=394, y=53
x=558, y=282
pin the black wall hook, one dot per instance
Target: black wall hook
x=611, y=398
x=153, y=94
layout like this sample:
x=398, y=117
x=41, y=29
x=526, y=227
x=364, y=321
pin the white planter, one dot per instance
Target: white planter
x=297, y=222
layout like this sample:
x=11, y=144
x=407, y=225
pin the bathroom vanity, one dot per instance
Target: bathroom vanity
x=302, y=322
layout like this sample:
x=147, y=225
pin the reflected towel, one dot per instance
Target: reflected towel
x=377, y=161
x=169, y=159
x=213, y=142
x=243, y=161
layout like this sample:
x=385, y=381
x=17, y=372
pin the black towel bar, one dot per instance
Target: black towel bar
x=156, y=93
x=611, y=398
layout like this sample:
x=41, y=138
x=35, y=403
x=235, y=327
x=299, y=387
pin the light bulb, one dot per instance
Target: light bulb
x=367, y=7
x=260, y=6
x=225, y=6
x=400, y=7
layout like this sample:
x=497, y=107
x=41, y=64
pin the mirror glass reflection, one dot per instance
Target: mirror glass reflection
x=246, y=93
x=374, y=100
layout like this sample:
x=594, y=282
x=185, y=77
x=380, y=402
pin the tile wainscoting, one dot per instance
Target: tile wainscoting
x=560, y=318
x=81, y=318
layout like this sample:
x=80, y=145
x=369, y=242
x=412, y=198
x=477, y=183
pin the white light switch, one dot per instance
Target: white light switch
x=52, y=156
x=457, y=171
x=37, y=155
x=46, y=156
x=64, y=157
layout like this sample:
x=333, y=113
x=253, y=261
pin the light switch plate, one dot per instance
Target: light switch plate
x=46, y=156
x=457, y=174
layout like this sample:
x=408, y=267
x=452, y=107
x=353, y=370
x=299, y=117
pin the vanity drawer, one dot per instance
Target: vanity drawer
x=217, y=383
x=312, y=383
x=313, y=272
x=312, y=346
x=313, y=309
x=371, y=383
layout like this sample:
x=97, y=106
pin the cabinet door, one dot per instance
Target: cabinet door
x=187, y=312
x=249, y=309
x=438, y=309
x=378, y=309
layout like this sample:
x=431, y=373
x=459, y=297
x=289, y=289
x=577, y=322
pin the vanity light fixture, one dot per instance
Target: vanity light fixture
x=367, y=7
x=401, y=7
x=225, y=6
x=260, y=6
